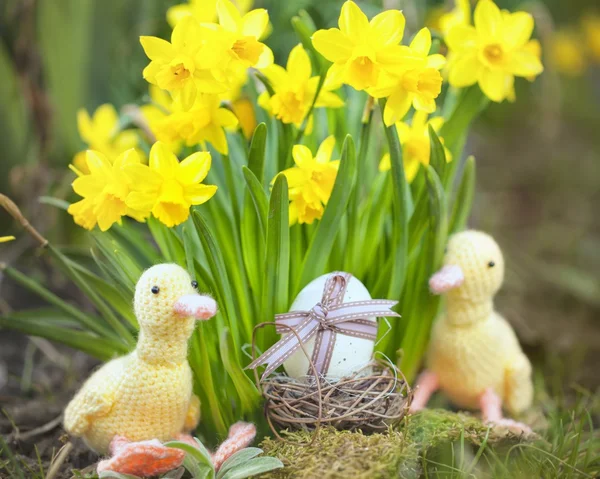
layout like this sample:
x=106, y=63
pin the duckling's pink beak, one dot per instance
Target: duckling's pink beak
x=195, y=306
x=447, y=278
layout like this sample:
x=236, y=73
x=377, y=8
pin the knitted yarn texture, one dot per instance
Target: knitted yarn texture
x=146, y=394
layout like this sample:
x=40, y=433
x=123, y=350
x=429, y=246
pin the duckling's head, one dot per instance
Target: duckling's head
x=166, y=300
x=473, y=268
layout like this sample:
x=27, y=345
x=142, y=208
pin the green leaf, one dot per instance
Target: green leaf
x=101, y=348
x=315, y=260
x=246, y=389
x=91, y=323
x=258, y=465
x=256, y=156
x=277, y=262
x=401, y=211
x=464, y=197
x=238, y=458
x=198, y=454
x=118, y=328
x=437, y=157
x=470, y=103
x=219, y=273
x=259, y=197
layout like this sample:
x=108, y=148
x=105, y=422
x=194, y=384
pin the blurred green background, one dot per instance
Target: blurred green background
x=538, y=186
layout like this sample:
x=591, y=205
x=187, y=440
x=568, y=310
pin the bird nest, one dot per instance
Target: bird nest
x=371, y=400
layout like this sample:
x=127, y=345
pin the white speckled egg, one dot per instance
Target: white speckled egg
x=349, y=353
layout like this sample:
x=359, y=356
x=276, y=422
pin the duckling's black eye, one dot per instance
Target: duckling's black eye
x=195, y=284
x=155, y=289
x=491, y=264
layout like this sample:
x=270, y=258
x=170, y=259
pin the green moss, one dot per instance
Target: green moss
x=399, y=452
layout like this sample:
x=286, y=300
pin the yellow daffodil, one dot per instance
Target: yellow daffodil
x=242, y=107
x=190, y=63
x=418, y=85
x=567, y=51
x=104, y=191
x=311, y=181
x=492, y=52
x=361, y=49
x=243, y=34
x=6, y=239
x=244, y=111
x=459, y=15
x=591, y=30
x=295, y=89
x=203, y=122
x=101, y=133
x=415, y=141
x=205, y=11
x=168, y=187
x=156, y=111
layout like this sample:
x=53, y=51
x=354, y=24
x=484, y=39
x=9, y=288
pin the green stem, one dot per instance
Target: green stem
x=354, y=224
x=231, y=188
x=401, y=202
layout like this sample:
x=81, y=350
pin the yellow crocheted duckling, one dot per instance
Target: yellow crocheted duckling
x=146, y=395
x=474, y=355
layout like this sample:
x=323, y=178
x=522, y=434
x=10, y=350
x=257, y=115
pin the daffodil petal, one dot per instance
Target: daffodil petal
x=97, y=162
x=388, y=27
x=422, y=42
x=397, y=106
x=6, y=239
x=229, y=16
x=423, y=103
x=265, y=59
x=217, y=138
x=525, y=64
x=141, y=201
x=465, y=70
x=163, y=160
x=488, y=19
x=156, y=48
x=143, y=178
x=198, y=194
x=328, y=99
x=461, y=37
x=332, y=44
x=325, y=150
x=298, y=64
x=254, y=23
x=353, y=22
x=494, y=83
x=518, y=28
x=194, y=168
x=436, y=61
x=385, y=164
x=226, y=118
x=87, y=186
x=302, y=155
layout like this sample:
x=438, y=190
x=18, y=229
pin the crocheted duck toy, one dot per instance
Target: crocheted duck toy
x=474, y=355
x=147, y=395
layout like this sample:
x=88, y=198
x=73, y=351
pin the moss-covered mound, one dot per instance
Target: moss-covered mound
x=398, y=453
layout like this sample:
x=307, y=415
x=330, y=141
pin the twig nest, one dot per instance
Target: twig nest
x=371, y=399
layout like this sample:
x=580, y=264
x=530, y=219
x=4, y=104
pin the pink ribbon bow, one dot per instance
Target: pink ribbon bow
x=325, y=320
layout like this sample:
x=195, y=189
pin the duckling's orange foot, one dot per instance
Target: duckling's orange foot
x=241, y=435
x=144, y=458
x=517, y=428
x=491, y=409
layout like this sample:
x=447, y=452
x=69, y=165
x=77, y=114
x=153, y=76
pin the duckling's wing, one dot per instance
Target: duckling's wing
x=518, y=387
x=95, y=398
